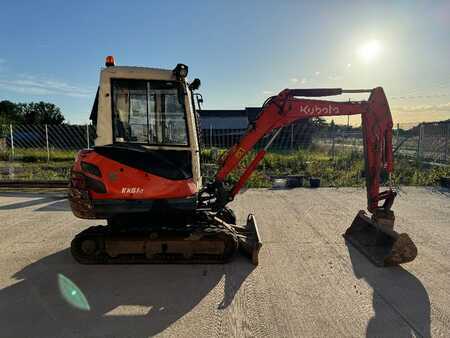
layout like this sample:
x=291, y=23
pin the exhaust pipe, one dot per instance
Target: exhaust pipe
x=375, y=238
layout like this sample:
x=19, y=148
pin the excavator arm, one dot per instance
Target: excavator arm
x=286, y=108
x=373, y=236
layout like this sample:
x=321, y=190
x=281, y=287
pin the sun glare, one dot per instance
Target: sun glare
x=369, y=51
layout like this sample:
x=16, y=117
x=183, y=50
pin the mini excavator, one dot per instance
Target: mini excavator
x=143, y=175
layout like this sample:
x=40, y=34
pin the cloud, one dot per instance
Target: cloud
x=334, y=77
x=410, y=97
x=349, y=65
x=317, y=73
x=296, y=80
x=32, y=85
x=421, y=113
x=443, y=107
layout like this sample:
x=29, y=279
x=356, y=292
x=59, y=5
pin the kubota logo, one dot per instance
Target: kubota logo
x=132, y=190
x=316, y=110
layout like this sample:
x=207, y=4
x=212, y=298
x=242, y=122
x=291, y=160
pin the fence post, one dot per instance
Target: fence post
x=292, y=136
x=332, y=142
x=397, y=142
x=11, y=140
x=46, y=141
x=210, y=135
x=87, y=136
x=419, y=142
x=447, y=127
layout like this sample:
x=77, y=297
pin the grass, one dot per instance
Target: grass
x=345, y=170
x=32, y=164
x=35, y=170
x=38, y=155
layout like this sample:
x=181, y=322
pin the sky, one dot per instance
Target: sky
x=243, y=51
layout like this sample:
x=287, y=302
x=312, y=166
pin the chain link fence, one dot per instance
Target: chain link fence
x=16, y=140
x=47, y=151
x=428, y=142
x=41, y=152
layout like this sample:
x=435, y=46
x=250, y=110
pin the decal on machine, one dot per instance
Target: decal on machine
x=132, y=190
x=317, y=110
x=240, y=153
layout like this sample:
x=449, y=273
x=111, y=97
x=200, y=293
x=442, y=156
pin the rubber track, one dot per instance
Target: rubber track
x=99, y=233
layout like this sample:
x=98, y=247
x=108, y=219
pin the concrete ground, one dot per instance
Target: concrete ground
x=309, y=282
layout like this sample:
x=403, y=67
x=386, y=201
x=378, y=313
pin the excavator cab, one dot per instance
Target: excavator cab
x=146, y=148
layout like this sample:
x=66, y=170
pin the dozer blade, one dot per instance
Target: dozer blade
x=249, y=239
x=375, y=238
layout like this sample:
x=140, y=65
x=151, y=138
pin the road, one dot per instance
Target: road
x=309, y=282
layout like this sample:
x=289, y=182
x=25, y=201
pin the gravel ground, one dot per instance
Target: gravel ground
x=309, y=282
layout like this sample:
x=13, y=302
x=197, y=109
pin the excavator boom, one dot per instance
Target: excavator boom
x=286, y=108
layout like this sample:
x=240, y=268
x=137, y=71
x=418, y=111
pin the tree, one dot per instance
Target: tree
x=30, y=113
x=41, y=113
x=10, y=113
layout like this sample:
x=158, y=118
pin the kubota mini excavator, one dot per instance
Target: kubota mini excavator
x=143, y=175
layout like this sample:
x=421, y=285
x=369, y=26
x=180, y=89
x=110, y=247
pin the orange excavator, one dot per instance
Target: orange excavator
x=143, y=175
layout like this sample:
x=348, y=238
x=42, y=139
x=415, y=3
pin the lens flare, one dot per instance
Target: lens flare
x=72, y=294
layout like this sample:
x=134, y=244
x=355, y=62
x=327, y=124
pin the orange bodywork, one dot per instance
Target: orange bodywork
x=124, y=182
x=99, y=195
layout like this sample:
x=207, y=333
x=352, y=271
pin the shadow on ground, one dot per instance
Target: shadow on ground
x=57, y=297
x=53, y=201
x=439, y=190
x=396, y=294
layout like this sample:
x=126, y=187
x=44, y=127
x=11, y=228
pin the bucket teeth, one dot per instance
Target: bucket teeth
x=376, y=239
x=403, y=251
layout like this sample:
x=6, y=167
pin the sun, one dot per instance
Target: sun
x=370, y=51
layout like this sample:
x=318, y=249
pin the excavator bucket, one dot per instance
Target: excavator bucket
x=375, y=238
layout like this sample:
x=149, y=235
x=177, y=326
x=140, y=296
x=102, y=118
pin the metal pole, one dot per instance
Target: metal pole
x=12, y=141
x=447, y=127
x=87, y=136
x=210, y=135
x=356, y=90
x=332, y=141
x=398, y=135
x=274, y=136
x=46, y=141
x=419, y=142
x=292, y=136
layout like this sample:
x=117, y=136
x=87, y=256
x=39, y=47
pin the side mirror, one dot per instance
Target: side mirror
x=194, y=85
x=199, y=99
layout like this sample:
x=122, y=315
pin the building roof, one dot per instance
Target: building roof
x=252, y=113
x=221, y=113
x=224, y=122
x=228, y=119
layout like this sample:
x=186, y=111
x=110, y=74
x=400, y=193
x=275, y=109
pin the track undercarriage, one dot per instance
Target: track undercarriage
x=205, y=239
